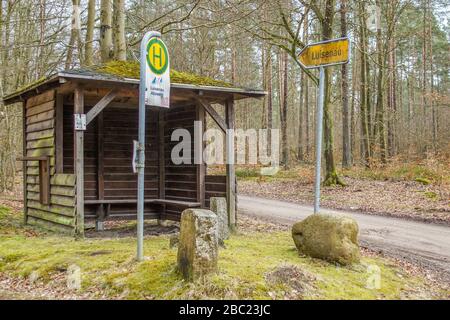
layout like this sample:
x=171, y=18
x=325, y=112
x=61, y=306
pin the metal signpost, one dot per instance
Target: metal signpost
x=320, y=55
x=154, y=90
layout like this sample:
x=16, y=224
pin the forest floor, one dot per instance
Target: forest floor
x=259, y=262
x=418, y=191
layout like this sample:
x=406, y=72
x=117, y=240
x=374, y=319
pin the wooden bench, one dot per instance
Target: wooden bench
x=104, y=207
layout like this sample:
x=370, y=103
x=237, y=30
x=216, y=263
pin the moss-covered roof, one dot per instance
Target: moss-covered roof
x=131, y=69
x=31, y=84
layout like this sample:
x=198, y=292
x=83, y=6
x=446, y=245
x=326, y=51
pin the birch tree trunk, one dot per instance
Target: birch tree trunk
x=89, y=45
x=106, y=30
x=75, y=35
x=41, y=59
x=120, y=49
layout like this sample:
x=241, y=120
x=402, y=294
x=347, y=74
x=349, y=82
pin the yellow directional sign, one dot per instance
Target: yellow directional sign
x=325, y=53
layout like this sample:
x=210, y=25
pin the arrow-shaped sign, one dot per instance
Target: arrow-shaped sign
x=325, y=53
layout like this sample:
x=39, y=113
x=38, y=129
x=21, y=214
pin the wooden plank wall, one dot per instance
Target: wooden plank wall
x=181, y=180
x=215, y=186
x=59, y=215
x=117, y=130
x=120, y=128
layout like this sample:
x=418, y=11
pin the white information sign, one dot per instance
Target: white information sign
x=157, y=82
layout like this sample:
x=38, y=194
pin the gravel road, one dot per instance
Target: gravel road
x=427, y=245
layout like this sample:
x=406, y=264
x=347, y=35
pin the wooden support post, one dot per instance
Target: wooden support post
x=100, y=172
x=44, y=181
x=213, y=113
x=79, y=163
x=161, y=159
x=231, y=174
x=102, y=104
x=201, y=168
x=59, y=132
x=24, y=167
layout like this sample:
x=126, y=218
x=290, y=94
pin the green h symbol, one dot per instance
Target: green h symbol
x=157, y=56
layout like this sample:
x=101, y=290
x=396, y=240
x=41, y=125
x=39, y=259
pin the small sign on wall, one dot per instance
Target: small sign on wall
x=80, y=122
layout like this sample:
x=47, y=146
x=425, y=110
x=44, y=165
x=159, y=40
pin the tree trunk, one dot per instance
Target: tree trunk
x=264, y=80
x=120, y=48
x=106, y=31
x=433, y=104
x=75, y=35
x=392, y=91
x=304, y=103
x=379, y=113
x=284, y=109
x=300, y=154
x=353, y=103
x=364, y=99
x=269, y=98
x=346, y=142
x=424, y=76
x=41, y=59
x=307, y=122
x=89, y=46
x=331, y=176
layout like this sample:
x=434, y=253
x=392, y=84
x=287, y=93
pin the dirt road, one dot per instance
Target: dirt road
x=427, y=245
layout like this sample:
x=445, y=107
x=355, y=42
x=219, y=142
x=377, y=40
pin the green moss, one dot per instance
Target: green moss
x=423, y=181
x=431, y=195
x=246, y=173
x=108, y=267
x=131, y=69
x=30, y=85
x=10, y=222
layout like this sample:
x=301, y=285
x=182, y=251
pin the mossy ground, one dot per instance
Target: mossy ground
x=109, y=269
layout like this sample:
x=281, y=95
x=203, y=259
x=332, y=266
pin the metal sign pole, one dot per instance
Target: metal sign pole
x=319, y=132
x=320, y=55
x=141, y=147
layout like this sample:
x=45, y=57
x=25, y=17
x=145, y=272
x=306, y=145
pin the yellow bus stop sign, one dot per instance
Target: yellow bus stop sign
x=325, y=53
x=157, y=56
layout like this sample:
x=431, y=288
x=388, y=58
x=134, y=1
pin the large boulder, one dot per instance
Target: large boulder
x=198, y=243
x=218, y=205
x=329, y=237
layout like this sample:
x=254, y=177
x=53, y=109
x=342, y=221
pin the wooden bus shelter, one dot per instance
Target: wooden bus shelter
x=71, y=176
